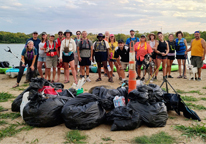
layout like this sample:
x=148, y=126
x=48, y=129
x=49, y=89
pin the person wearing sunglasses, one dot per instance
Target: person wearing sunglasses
x=76, y=57
x=59, y=64
x=198, y=50
x=113, y=44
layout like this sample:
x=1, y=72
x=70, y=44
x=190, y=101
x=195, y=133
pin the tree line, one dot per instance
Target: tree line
x=8, y=37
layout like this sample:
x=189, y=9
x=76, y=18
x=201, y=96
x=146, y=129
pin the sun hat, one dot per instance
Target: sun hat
x=67, y=31
x=111, y=35
x=152, y=34
x=100, y=35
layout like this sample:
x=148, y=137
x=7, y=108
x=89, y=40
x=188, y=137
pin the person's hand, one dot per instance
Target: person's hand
x=120, y=66
x=60, y=60
x=80, y=59
x=32, y=68
x=203, y=58
x=23, y=65
x=163, y=54
x=42, y=48
x=108, y=59
x=90, y=59
x=150, y=59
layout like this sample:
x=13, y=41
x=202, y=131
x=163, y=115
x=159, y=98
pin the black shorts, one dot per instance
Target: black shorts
x=161, y=57
x=85, y=62
x=180, y=57
x=170, y=57
x=100, y=56
x=112, y=60
x=154, y=55
x=67, y=59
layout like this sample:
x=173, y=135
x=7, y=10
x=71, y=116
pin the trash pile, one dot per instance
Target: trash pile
x=45, y=104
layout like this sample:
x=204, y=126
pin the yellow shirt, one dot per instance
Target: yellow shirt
x=197, y=49
x=112, y=49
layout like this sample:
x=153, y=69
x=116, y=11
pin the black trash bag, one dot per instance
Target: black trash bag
x=153, y=115
x=15, y=107
x=172, y=102
x=123, y=92
x=157, y=92
x=123, y=118
x=58, y=85
x=144, y=88
x=69, y=93
x=42, y=112
x=83, y=112
x=38, y=83
x=141, y=97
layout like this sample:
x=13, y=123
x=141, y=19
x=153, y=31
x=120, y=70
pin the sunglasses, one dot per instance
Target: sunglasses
x=78, y=34
x=197, y=32
x=60, y=33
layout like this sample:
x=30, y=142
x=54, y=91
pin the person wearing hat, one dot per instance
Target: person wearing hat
x=112, y=45
x=141, y=48
x=36, y=41
x=59, y=64
x=67, y=50
x=198, y=50
x=51, y=49
x=101, y=55
x=42, y=55
x=162, y=49
x=122, y=56
x=76, y=57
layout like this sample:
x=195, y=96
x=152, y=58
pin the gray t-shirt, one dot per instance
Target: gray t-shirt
x=85, y=50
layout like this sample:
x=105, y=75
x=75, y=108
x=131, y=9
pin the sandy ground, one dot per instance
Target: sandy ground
x=57, y=134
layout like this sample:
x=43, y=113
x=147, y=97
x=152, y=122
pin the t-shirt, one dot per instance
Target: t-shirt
x=107, y=44
x=142, y=51
x=124, y=53
x=76, y=41
x=128, y=40
x=112, y=49
x=41, y=52
x=86, y=51
x=24, y=51
x=36, y=43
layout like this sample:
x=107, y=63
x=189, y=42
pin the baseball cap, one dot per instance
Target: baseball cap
x=143, y=36
x=51, y=34
x=131, y=30
x=35, y=32
x=111, y=35
x=120, y=41
x=43, y=33
x=197, y=31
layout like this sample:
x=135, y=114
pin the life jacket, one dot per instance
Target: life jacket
x=180, y=45
x=135, y=40
x=4, y=64
x=29, y=55
x=81, y=43
x=100, y=46
x=52, y=51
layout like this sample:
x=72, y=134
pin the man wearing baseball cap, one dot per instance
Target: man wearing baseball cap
x=36, y=41
x=198, y=50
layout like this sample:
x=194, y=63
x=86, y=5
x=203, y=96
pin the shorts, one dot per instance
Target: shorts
x=170, y=57
x=85, y=62
x=124, y=65
x=161, y=57
x=138, y=62
x=112, y=60
x=51, y=62
x=196, y=61
x=101, y=56
x=180, y=57
x=67, y=59
x=76, y=58
x=154, y=55
x=41, y=59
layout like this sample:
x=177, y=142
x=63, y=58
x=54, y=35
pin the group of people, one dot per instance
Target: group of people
x=68, y=53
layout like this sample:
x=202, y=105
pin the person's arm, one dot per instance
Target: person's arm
x=158, y=52
x=189, y=48
x=204, y=47
x=74, y=46
x=23, y=61
x=167, y=51
x=57, y=50
x=185, y=42
x=78, y=51
x=61, y=49
x=91, y=52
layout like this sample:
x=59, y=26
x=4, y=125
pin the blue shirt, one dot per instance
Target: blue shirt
x=24, y=51
x=128, y=40
x=36, y=43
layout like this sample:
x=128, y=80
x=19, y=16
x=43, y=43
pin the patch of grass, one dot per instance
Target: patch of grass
x=75, y=136
x=196, y=130
x=25, y=85
x=197, y=107
x=107, y=139
x=172, y=117
x=2, y=122
x=4, y=96
x=189, y=98
x=159, y=138
x=34, y=141
x=203, y=99
x=9, y=115
x=164, y=89
x=203, y=87
x=193, y=91
x=18, y=89
x=13, y=129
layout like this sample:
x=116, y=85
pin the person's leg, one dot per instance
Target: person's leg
x=112, y=67
x=199, y=72
x=105, y=67
x=46, y=73
x=184, y=66
x=72, y=65
x=20, y=73
x=58, y=74
x=83, y=71
x=66, y=72
x=54, y=73
x=164, y=62
x=99, y=69
x=179, y=65
x=39, y=67
x=87, y=70
x=158, y=61
x=76, y=69
x=171, y=62
x=117, y=67
x=49, y=73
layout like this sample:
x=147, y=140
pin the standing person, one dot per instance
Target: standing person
x=52, y=53
x=141, y=48
x=112, y=45
x=36, y=41
x=60, y=64
x=106, y=39
x=85, y=52
x=153, y=42
x=76, y=57
x=162, y=49
x=170, y=55
x=122, y=56
x=101, y=55
x=181, y=47
x=28, y=56
x=42, y=55
x=67, y=50
x=198, y=50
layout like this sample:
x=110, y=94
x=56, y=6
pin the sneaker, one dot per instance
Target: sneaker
x=128, y=75
x=142, y=79
x=105, y=75
x=169, y=76
x=120, y=78
x=155, y=78
x=199, y=79
x=88, y=79
x=138, y=77
x=166, y=76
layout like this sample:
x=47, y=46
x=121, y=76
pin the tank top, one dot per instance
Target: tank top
x=152, y=44
x=197, y=49
x=162, y=47
x=171, y=48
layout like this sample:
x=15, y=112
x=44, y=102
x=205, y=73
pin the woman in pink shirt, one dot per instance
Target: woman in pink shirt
x=142, y=48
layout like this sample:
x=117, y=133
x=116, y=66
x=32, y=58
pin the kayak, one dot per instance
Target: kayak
x=3, y=70
x=94, y=69
x=204, y=66
x=13, y=72
x=174, y=67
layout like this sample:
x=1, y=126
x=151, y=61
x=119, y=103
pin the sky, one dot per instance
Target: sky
x=95, y=16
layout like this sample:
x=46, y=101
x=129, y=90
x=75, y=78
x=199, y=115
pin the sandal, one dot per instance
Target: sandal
x=99, y=79
x=179, y=76
x=16, y=85
x=185, y=77
x=110, y=80
x=66, y=81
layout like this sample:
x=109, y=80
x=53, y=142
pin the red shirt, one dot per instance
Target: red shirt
x=51, y=47
x=141, y=52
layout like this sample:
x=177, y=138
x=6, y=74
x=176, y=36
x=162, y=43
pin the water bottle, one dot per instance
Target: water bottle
x=108, y=67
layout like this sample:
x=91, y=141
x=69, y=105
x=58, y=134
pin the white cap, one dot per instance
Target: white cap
x=51, y=34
